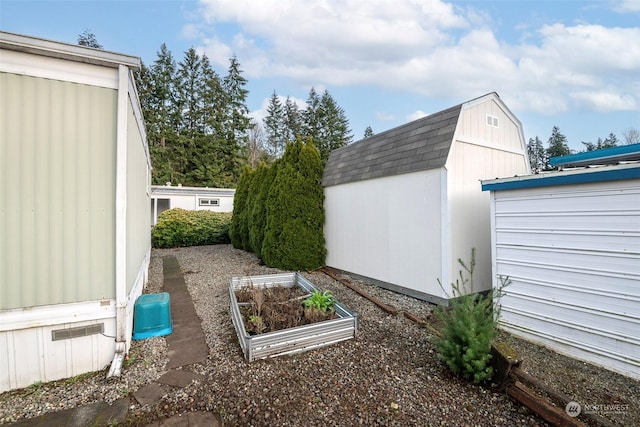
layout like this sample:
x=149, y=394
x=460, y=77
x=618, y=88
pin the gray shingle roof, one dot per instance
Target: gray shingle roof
x=420, y=145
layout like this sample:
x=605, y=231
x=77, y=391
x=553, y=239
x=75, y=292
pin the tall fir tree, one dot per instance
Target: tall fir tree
x=293, y=121
x=311, y=117
x=275, y=126
x=237, y=125
x=189, y=93
x=368, y=132
x=537, y=155
x=334, y=129
x=557, y=144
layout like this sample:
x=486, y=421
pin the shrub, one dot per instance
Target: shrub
x=239, y=229
x=293, y=236
x=469, y=325
x=179, y=227
x=259, y=191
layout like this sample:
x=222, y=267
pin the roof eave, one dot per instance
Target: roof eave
x=53, y=49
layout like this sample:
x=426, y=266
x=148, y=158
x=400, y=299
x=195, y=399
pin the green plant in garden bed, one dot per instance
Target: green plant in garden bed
x=468, y=328
x=321, y=301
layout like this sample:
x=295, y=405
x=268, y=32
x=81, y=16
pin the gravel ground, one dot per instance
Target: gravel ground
x=388, y=375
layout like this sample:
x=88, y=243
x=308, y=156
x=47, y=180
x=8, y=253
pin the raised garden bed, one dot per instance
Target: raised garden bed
x=340, y=326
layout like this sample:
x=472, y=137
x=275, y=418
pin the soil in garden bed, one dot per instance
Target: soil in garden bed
x=276, y=308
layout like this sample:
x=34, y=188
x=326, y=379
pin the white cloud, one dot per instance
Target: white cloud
x=431, y=48
x=416, y=115
x=624, y=6
x=605, y=100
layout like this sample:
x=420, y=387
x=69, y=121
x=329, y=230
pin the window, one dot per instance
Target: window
x=492, y=121
x=209, y=202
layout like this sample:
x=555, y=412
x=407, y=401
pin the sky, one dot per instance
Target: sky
x=571, y=64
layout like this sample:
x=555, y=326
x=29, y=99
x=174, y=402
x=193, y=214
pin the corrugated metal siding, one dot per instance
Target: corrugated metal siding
x=57, y=166
x=573, y=255
x=138, y=201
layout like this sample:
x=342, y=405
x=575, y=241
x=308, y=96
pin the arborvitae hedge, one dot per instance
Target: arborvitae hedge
x=239, y=230
x=179, y=227
x=259, y=190
x=293, y=237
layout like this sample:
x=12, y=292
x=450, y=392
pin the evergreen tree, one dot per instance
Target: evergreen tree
x=237, y=124
x=239, y=228
x=610, y=141
x=293, y=121
x=311, y=117
x=189, y=93
x=334, y=129
x=256, y=209
x=88, y=39
x=537, y=155
x=214, y=99
x=368, y=132
x=557, y=144
x=293, y=237
x=275, y=126
x=163, y=74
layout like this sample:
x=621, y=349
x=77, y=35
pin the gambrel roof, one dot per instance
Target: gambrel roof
x=419, y=145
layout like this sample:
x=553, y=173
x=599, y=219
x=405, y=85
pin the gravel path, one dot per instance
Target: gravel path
x=388, y=375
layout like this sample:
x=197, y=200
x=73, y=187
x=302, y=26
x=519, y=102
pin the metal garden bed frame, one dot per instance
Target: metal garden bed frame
x=291, y=340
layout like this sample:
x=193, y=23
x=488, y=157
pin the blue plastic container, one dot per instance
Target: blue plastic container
x=152, y=316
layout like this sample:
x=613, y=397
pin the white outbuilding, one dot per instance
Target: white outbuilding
x=570, y=243
x=169, y=196
x=404, y=205
x=74, y=209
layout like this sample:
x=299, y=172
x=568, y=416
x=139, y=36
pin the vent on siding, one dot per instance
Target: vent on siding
x=82, y=331
x=492, y=121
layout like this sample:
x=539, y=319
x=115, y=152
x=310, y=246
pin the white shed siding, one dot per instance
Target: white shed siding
x=399, y=217
x=573, y=255
x=480, y=152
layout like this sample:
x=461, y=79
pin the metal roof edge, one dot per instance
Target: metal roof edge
x=164, y=189
x=55, y=49
x=621, y=152
x=552, y=179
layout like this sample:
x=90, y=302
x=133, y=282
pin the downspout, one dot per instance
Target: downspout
x=121, y=222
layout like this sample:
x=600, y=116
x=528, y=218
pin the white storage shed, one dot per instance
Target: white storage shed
x=74, y=209
x=404, y=205
x=165, y=197
x=570, y=243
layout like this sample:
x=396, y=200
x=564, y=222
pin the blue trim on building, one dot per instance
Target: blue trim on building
x=623, y=152
x=555, y=179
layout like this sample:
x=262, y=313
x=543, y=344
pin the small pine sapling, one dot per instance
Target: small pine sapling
x=469, y=325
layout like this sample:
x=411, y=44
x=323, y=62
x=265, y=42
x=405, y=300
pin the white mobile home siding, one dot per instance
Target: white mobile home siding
x=572, y=253
x=70, y=130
